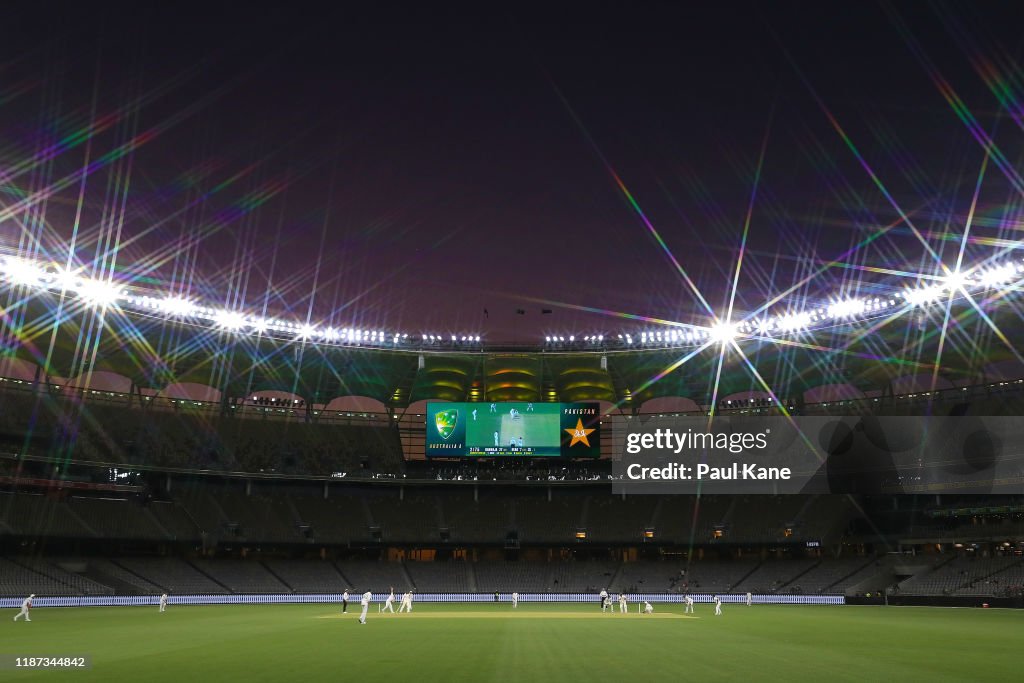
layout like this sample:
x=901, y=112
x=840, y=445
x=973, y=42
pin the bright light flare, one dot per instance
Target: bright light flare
x=723, y=333
x=997, y=277
x=794, y=322
x=22, y=272
x=177, y=306
x=98, y=293
x=847, y=308
x=956, y=282
x=924, y=295
x=229, y=320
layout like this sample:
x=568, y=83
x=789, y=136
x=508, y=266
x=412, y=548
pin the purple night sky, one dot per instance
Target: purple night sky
x=409, y=167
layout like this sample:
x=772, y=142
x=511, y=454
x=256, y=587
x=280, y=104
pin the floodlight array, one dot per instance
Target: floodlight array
x=100, y=293
x=795, y=321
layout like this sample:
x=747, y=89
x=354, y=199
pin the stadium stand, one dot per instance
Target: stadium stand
x=412, y=517
x=173, y=574
x=452, y=576
x=18, y=580
x=241, y=576
x=308, y=576
x=582, y=576
x=829, y=576
x=524, y=577
x=716, y=576
x=363, y=575
x=39, y=515
x=772, y=576
x=337, y=519
x=115, y=518
x=475, y=521
x=55, y=569
x=963, y=575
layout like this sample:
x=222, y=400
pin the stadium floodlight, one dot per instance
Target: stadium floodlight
x=998, y=276
x=177, y=306
x=308, y=331
x=20, y=271
x=723, y=332
x=847, y=308
x=956, y=281
x=97, y=293
x=794, y=322
x=259, y=325
x=229, y=320
x=923, y=295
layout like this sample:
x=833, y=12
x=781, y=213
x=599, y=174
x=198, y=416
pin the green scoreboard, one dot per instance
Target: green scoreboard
x=514, y=430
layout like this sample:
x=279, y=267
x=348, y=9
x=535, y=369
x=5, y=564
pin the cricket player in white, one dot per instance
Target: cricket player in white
x=604, y=599
x=474, y=414
x=494, y=408
x=750, y=599
x=496, y=439
x=622, y=604
x=406, y=604
x=689, y=605
x=515, y=600
x=344, y=601
x=647, y=608
x=365, y=602
x=26, y=605
x=163, y=602
x=718, y=606
x=389, y=603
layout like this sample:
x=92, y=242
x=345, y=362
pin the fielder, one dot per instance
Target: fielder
x=26, y=605
x=718, y=606
x=344, y=601
x=163, y=602
x=365, y=602
x=622, y=603
x=750, y=599
x=604, y=599
x=515, y=600
x=689, y=605
x=648, y=609
x=389, y=603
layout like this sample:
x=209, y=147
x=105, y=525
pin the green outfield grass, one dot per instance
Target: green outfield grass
x=536, y=643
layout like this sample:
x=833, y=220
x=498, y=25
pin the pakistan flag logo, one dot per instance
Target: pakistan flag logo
x=445, y=421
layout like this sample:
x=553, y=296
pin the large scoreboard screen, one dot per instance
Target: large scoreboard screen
x=517, y=430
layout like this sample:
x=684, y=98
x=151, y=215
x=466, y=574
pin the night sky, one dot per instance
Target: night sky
x=409, y=166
